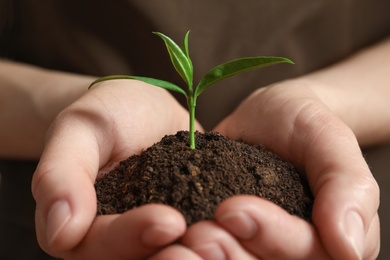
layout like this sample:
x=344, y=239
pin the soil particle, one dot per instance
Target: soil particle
x=196, y=181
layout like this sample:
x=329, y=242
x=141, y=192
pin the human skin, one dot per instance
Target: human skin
x=115, y=119
x=319, y=121
x=345, y=223
x=30, y=99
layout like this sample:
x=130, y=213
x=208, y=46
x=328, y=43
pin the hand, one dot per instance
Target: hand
x=112, y=121
x=290, y=119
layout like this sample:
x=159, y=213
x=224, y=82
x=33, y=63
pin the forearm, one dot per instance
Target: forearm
x=30, y=98
x=358, y=91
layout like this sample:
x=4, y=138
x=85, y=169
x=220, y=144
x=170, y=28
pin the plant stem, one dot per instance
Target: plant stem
x=191, y=107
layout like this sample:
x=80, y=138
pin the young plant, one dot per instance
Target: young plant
x=180, y=59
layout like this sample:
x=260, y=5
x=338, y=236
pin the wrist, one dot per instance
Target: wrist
x=363, y=110
x=57, y=91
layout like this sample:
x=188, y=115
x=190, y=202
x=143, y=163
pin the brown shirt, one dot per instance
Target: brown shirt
x=114, y=37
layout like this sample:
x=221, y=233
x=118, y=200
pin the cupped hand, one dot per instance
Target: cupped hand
x=291, y=119
x=112, y=121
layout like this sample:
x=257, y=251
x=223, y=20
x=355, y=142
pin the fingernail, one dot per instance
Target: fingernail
x=354, y=230
x=59, y=214
x=210, y=251
x=239, y=224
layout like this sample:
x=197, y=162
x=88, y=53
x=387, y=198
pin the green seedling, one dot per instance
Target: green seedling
x=180, y=59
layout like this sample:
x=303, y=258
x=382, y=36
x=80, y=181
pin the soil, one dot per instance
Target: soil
x=196, y=181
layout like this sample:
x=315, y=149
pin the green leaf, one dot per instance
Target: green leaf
x=184, y=47
x=234, y=67
x=105, y=78
x=156, y=82
x=180, y=61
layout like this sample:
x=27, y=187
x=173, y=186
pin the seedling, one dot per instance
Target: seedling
x=180, y=59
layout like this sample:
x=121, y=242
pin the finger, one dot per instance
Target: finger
x=175, y=251
x=268, y=231
x=210, y=241
x=346, y=194
x=372, y=241
x=63, y=187
x=345, y=218
x=135, y=234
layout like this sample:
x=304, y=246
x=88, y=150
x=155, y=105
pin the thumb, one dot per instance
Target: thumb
x=63, y=187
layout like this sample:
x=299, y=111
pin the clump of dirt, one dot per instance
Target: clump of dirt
x=196, y=181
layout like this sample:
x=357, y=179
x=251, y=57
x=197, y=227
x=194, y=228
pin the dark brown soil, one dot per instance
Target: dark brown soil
x=196, y=181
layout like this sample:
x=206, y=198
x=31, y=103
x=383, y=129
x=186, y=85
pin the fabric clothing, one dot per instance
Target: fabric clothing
x=17, y=231
x=99, y=38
